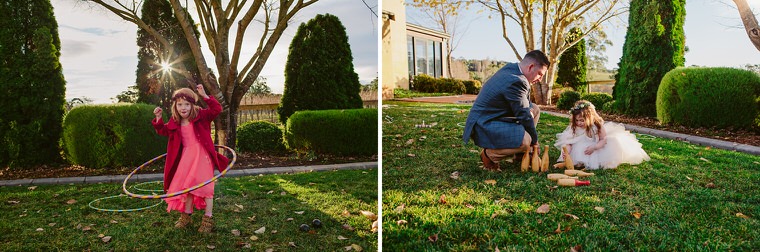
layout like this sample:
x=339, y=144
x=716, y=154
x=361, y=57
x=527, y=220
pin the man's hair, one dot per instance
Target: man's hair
x=538, y=56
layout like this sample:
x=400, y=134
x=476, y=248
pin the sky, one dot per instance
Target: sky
x=99, y=50
x=714, y=35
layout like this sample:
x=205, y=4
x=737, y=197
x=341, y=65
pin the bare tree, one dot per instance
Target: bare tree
x=544, y=25
x=749, y=21
x=449, y=22
x=216, y=23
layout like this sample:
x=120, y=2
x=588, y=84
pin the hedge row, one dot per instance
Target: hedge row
x=568, y=98
x=98, y=136
x=340, y=132
x=720, y=97
x=427, y=84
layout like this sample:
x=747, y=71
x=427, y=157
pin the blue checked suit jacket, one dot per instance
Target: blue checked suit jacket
x=501, y=115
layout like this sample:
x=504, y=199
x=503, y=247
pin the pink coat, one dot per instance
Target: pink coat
x=202, y=125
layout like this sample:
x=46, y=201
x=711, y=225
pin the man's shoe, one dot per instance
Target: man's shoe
x=487, y=163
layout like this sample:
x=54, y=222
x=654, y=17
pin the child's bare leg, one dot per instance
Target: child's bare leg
x=189, y=203
x=209, y=206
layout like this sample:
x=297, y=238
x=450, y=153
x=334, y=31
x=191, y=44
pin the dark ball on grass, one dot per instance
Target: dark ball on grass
x=316, y=223
x=304, y=228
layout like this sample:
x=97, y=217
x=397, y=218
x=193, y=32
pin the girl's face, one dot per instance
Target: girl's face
x=580, y=122
x=184, y=107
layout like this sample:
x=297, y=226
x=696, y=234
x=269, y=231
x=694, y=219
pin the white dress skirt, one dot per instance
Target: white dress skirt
x=622, y=147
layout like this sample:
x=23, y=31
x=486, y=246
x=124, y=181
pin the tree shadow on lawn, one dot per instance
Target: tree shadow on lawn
x=242, y=203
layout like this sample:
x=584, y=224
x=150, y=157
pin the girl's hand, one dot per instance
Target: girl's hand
x=589, y=150
x=201, y=91
x=158, y=111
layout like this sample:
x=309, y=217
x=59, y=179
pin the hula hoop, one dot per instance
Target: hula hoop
x=142, y=196
x=120, y=210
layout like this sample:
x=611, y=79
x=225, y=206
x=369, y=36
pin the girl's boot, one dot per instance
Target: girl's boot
x=184, y=220
x=206, y=225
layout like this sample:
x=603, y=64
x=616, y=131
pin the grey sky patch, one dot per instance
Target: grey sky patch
x=93, y=30
x=73, y=48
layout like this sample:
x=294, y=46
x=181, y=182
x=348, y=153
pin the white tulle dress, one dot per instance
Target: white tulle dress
x=622, y=147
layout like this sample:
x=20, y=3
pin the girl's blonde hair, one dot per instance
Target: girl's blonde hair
x=187, y=95
x=587, y=111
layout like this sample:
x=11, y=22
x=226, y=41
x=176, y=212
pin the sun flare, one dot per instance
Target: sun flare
x=165, y=66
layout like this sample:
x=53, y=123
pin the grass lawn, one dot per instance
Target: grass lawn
x=403, y=93
x=687, y=198
x=57, y=218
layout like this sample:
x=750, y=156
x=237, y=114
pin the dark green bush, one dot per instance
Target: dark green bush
x=608, y=107
x=111, y=135
x=596, y=98
x=571, y=69
x=472, y=86
x=450, y=85
x=567, y=99
x=340, y=132
x=719, y=97
x=260, y=136
x=424, y=83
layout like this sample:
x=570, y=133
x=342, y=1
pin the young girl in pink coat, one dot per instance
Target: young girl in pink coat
x=191, y=156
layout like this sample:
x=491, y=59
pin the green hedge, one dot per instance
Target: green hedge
x=450, y=85
x=598, y=99
x=260, y=136
x=424, y=83
x=340, y=132
x=472, y=86
x=719, y=97
x=427, y=84
x=111, y=135
x=567, y=99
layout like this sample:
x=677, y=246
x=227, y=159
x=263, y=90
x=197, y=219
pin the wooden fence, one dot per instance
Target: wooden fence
x=264, y=107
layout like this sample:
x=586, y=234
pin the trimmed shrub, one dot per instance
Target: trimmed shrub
x=340, y=132
x=596, y=98
x=111, y=135
x=720, y=97
x=260, y=136
x=450, y=85
x=567, y=99
x=608, y=107
x=472, y=86
x=424, y=83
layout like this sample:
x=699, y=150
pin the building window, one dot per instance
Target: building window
x=426, y=55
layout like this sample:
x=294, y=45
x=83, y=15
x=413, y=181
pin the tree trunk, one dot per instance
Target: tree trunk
x=225, y=124
x=749, y=21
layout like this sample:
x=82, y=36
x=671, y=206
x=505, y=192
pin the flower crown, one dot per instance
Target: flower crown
x=580, y=106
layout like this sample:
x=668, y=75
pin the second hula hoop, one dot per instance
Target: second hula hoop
x=143, y=196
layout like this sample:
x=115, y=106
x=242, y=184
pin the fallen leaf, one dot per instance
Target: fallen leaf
x=501, y=201
x=433, y=238
x=442, y=199
x=31, y=188
x=273, y=232
x=348, y=248
x=348, y=227
x=299, y=212
x=552, y=188
x=13, y=202
x=708, y=148
x=236, y=232
x=454, y=175
x=572, y=216
x=345, y=213
x=283, y=193
x=497, y=249
x=369, y=215
x=270, y=192
x=270, y=250
x=411, y=155
x=494, y=215
x=636, y=214
x=704, y=159
x=340, y=237
x=252, y=218
x=86, y=228
x=260, y=230
x=710, y=185
x=400, y=208
x=600, y=209
x=558, y=230
x=312, y=183
x=52, y=224
x=40, y=229
x=101, y=235
x=289, y=219
x=543, y=209
x=107, y=239
x=490, y=182
x=292, y=244
x=356, y=247
x=253, y=238
x=401, y=222
x=408, y=142
x=688, y=178
x=114, y=222
x=577, y=248
x=741, y=215
x=469, y=206
x=71, y=201
x=239, y=206
x=374, y=226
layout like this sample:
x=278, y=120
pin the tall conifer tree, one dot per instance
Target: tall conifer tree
x=319, y=72
x=31, y=83
x=572, y=64
x=654, y=45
